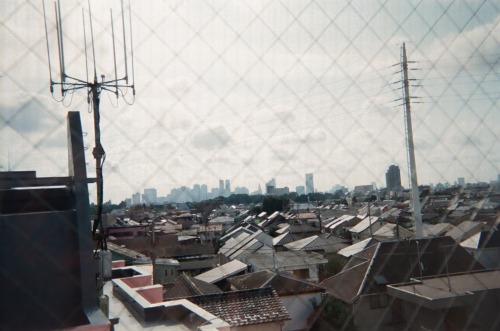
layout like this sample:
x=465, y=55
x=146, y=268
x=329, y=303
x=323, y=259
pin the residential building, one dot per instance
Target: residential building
x=298, y=264
x=309, y=183
x=458, y=301
x=364, y=280
x=366, y=228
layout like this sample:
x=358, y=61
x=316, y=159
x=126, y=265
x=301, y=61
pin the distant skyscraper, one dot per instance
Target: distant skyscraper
x=196, y=192
x=300, y=190
x=270, y=186
x=221, y=186
x=204, y=192
x=228, y=187
x=259, y=190
x=461, y=181
x=393, y=178
x=309, y=183
x=150, y=195
x=136, y=198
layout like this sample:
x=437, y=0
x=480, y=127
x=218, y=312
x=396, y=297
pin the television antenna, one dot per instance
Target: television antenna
x=69, y=84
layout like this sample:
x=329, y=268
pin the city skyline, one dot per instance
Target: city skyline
x=260, y=90
x=206, y=193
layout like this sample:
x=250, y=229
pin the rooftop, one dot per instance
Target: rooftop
x=226, y=270
x=436, y=292
x=285, y=259
x=186, y=286
x=245, y=307
x=283, y=285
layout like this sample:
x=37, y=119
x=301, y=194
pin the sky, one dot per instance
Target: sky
x=254, y=90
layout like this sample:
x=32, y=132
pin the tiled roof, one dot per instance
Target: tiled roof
x=185, y=286
x=281, y=284
x=246, y=307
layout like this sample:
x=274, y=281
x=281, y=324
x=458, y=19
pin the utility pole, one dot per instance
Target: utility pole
x=417, y=214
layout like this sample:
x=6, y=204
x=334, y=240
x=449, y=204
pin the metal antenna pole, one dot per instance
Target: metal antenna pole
x=417, y=214
x=98, y=153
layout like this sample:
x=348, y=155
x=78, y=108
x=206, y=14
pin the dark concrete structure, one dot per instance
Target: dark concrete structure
x=47, y=268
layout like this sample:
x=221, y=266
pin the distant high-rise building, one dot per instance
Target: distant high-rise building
x=461, y=181
x=259, y=190
x=309, y=183
x=136, y=198
x=150, y=195
x=270, y=185
x=196, y=192
x=300, y=190
x=241, y=190
x=221, y=186
x=204, y=192
x=393, y=178
x=228, y=187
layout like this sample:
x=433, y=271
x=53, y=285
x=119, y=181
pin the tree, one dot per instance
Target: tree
x=270, y=204
x=335, y=315
x=206, y=207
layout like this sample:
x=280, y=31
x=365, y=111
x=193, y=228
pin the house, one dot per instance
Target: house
x=363, y=281
x=301, y=299
x=255, y=309
x=302, y=265
x=365, y=228
x=225, y=221
x=209, y=232
x=459, y=301
x=244, y=244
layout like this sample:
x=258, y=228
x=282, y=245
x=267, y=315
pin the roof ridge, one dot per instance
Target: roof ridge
x=363, y=283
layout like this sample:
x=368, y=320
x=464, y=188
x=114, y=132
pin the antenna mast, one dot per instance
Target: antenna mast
x=417, y=214
x=94, y=87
